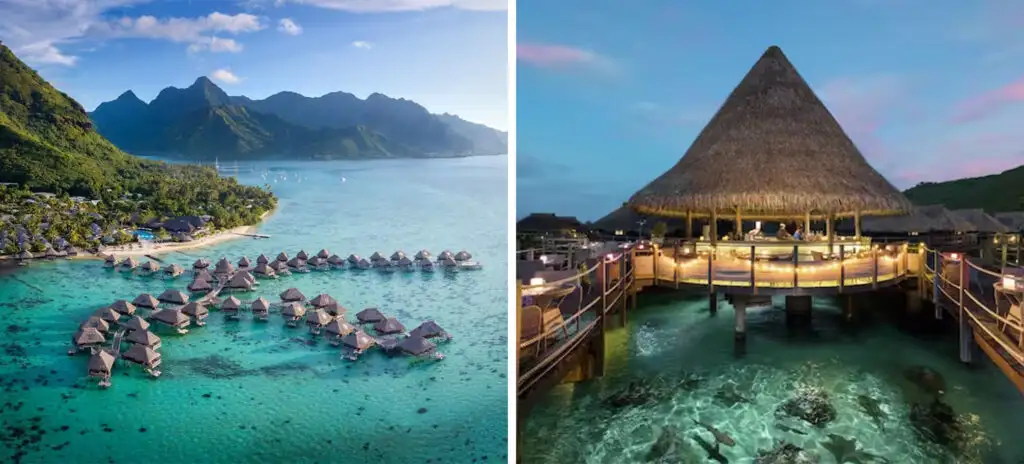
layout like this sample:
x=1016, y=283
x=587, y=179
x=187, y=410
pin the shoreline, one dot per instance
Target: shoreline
x=163, y=248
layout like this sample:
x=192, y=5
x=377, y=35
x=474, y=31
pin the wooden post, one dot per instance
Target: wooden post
x=689, y=226
x=842, y=267
x=1016, y=259
x=807, y=223
x=738, y=234
x=712, y=296
x=675, y=264
x=966, y=332
x=655, y=256
x=714, y=227
x=796, y=262
x=623, y=288
x=519, y=322
x=856, y=225
x=741, y=320
x=829, y=232
x=936, y=281
x=1004, y=251
x=874, y=267
x=753, y=279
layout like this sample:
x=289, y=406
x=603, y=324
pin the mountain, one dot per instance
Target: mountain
x=993, y=193
x=202, y=120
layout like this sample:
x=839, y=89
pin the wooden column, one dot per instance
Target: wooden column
x=807, y=223
x=738, y=234
x=519, y=322
x=753, y=278
x=842, y=267
x=714, y=227
x=829, y=232
x=689, y=226
x=966, y=332
x=796, y=263
x=856, y=225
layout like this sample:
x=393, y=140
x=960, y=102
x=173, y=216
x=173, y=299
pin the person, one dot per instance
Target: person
x=754, y=233
x=799, y=234
x=782, y=234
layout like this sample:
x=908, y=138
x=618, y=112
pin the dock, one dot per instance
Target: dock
x=252, y=235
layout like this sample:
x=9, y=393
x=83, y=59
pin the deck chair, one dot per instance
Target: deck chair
x=532, y=325
x=1014, y=316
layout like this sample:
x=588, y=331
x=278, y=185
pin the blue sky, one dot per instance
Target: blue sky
x=610, y=94
x=448, y=55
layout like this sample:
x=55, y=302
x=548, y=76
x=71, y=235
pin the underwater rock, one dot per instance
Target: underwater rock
x=785, y=453
x=926, y=379
x=873, y=409
x=636, y=394
x=729, y=397
x=786, y=428
x=936, y=422
x=810, y=404
x=846, y=450
x=690, y=382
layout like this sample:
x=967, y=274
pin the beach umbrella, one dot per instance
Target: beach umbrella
x=322, y=301
x=201, y=264
x=428, y=329
x=123, y=307
x=143, y=337
x=244, y=262
x=136, y=323
x=397, y=255
x=416, y=345
x=293, y=309
x=264, y=269
x=199, y=285
x=405, y=261
x=145, y=300
x=101, y=363
x=445, y=255
x=231, y=304
x=376, y=256
x=335, y=309
x=196, y=310
x=336, y=260
x=96, y=323
x=324, y=254
x=302, y=255
x=353, y=258
x=339, y=327
x=422, y=254
x=358, y=340
x=292, y=294
x=174, y=270
x=318, y=318
x=260, y=305
x=370, y=316
x=173, y=296
x=389, y=326
x=282, y=256
x=88, y=336
x=107, y=314
x=150, y=266
x=463, y=256
x=142, y=354
x=224, y=267
x=205, y=275
x=262, y=259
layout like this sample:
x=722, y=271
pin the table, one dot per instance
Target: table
x=543, y=296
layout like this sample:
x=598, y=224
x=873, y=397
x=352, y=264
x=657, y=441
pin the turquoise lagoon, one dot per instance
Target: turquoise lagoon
x=243, y=391
x=689, y=360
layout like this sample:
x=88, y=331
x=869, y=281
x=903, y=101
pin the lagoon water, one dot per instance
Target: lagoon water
x=244, y=391
x=689, y=364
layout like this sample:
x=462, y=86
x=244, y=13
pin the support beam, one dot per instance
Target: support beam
x=936, y=282
x=740, y=333
x=689, y=225
x=856, y=225
x=829, y=232
x=798, y=310
x=738, y=234
x=713, y=302
x=714, y=227
x=807, y=223
x=966, y=331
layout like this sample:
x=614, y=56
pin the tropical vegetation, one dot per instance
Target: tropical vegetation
x=994, y=193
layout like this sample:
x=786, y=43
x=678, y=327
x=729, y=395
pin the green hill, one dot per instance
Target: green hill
x=994, y=193
x=48, y=143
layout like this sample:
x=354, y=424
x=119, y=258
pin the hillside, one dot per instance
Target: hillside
x=994, y=193
x=48, y=143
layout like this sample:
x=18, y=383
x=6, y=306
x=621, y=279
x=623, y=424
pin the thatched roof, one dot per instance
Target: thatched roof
x=318, y=317
x=463, y=256
x=142, y=354
x=322, y=300
x=416, y=345
x=282, y=256
x=231, y=303
x=145, y=300
x=174, y=270
x=173, y=296
x=448, y=261
x=405, y=261
x=264, y=269
x=376, y=256
x=71, y=250
x=151, y=266
x=317, y=261
x=260, y=305
x=302, y=255
x=292, y=294
x=389, y=326
x=370, y=315
x=172, y=317
x=123, y=307
x=358, y=340
x=363, y=263
x=771, y=150
x=335, y=260
x=428, y=329
x=383, y=263
x=262, y=259
x=445, y=255
x=244, y=262
x=353, y=258
x=204, y=274
x=397, y=255
x=922, y=219
x=982, y=222
x=201, y=264
x=323, y=254
x=1012, y=219
x=88, y=336
x=339, y=327
x=195, y=310
x=277, y=265
x=422, y=254
x=136, y=323
x=107, y=314
x=143, y=337
x=296, y=263
x=224, y=267
x=50, y=253
x=130, y=263
x=335, y=309
x=293, y=309
x=242, y=280
x=199, y=285
x=110, y=259
x=102, y=361
x=97, y=323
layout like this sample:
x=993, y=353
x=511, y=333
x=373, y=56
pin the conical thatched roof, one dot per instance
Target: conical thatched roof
x=244, y=262
x=383, y=263
x=318, y=317
x=195, y=310
x=376, y=256
x=201, y=264
x=771, y=150
x=129, y=263
x=335, y=309
x=416, y=345
x=262, y=259
x=145, y=300
x=323, y=254
x=102, y=361
x=980, y=221
x=174, y=270
x=204, y=274
x=1012, y=219
x=97, y=323
x=199, y=285
x=423, y=254
x=224, y=267
x=317, y=261
x=143, y=337
x=282, y=256
x=170, y=316
x=302, y=255
x=150, y=266
x=339, y=327
x=362, y=263
x=322, y=300
x=353, y=258
x=88, y=336
x=231, y=303
x=292, y=294
x=428, y=329
x=123, y=307
x=370, y=315
x=335, y=260
x=358, y=340
x=405, y=261
x=296, y=263
x=463, y=256
x=293, y=309
x=448, y=261
x=107, y=314
x=397, y=255
x=922, y=219
x=389, y=326
x=445, y=255
x=242, y=280
x=50, y=253
x=136, y=323
x=277, y=265
x=110, y=259
x=264, y=269
x=260, y=305
x=142, y=354
x=173, y=296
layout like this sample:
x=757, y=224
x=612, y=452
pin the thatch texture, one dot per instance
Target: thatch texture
x=339, y=327
x=224, y=267
x=145, y=300
x=199, y=285
x=123, y=307
x=377, y=256
x=143, y=337
x=335, y=309
x=264, y=269
x=204, y=274
x=231, y=304
x=771, y=150
x=397, y=255
x=282, y=256
x=422, y=254
x=416, y=345
x=262, y=259
x=323, y=253
x=261, y=305
x=172, y=317
x=142, y=354
x=293, y=310
x=463, y=256
x=292, y=294
x=370, y=315
x=173, y=296
x=1013, y=219
x=353, y=258
x=982, y=222
x=96, y=323
x=101, y=362
x=358, y=340
x=174, y=270
x=88, y=336
x=244, y=262
x=627, y=220
x=322, y=301
x=389, y=326
x=922, y=219
x=196, y=310
x=136, y=323
x=446, y=254
x=318, y=318
x=107, y=314
x=548, y=223
x=428, y=329
x=335, y=260
x=302, y=255
x=405, y=262
x=242, y=280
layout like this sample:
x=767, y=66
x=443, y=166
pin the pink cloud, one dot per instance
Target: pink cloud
x=989, y=103
x=553, y=56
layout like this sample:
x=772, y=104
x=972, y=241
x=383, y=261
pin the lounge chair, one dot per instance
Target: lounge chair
x=532, y=325
x=1015, y=317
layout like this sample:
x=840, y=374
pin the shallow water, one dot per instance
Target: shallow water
x=670, y=339
x=243, y=391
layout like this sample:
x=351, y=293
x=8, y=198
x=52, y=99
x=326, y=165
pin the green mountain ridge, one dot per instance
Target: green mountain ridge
x=994, y=193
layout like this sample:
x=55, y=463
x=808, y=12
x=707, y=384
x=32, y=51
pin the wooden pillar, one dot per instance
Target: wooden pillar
x=738, y=235
x=966, y=331
x=713, y=303
x=675, y=264
x=623, y=288
x=807, y=223
x=740, y=333
x=714, y=227
x=829, y=232
x=856, y=225
x=874, y=267
x=842, y=267
x=519, y=322
x=689, y=226
x=1004, y=251
x=753, y=278
x=936, y=281
x=796, y=263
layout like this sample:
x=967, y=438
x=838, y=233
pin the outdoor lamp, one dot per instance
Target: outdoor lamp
x=954, y=256
x=544, y=259
x=1009, y=283
x=536, y=281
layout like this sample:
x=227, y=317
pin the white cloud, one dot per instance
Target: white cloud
x=289, y=27
x=45, y=52
x=225, y=76
x=362, y=44
x=215, y=45
x=385, y=6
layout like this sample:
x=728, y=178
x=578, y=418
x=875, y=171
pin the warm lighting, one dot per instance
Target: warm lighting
x=610, y=257
x=954, y=256
x=641, y=246
x=619, y=232
x=686, y=250
x=1009, y=283
x=544, y=259
x=537, y=281
x=757, y=225
x=702, y=237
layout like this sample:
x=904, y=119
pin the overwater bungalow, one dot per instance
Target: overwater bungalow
x=338, y=328
x=260, y=309
x=200, y=264
x=322, y=301
x=317, y=319
x=319, y=263
x=173, y=296
x=144, y=356
x=172, y=318
x=279, y=266
x=370, y=316
x=230, y=307
x=109, y=261
x=262, y=259
x=336, y=261
x=62, y=254
x=96, y=323
x=241, y=282
x=204, y=274
x=86, y=338
x=244, y=262
x=296, y=263
x=302, y=255
x=71, y=250
x=463, y=256
x=174, y=270
x=223, y=267
x=430, y=329
x=100, y=365
x=150, y=267
x=129, y=264
x=353, y=259
x=388, y=326
x=197, y=311
x=145, y=300
x=420, y=347
x=422, y=255
x=397, y=255
x=107, y=314
x=363, y=264
x=335, y=309
x=293, y=313
x=445, y=255
x=427, y=266
x=406, y=264
x=25, y=255
x=383, y=265
x=200, y=286
x=449, y=263
x=292, y=294
x=377, y=256
x=323, y=254
x=282, y=257
x=123, y=307
x=357, y=342
x=265, y=270
x=144, y=338
x=136, y=323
